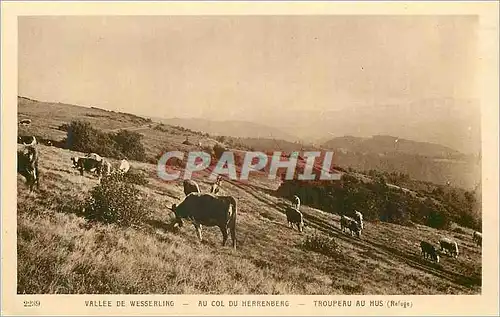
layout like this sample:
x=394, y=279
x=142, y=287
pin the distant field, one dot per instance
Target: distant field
x=59, y=251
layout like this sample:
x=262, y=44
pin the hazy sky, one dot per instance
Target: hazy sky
x=245, y=67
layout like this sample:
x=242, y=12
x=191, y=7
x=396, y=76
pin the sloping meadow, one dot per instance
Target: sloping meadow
x=60, y=250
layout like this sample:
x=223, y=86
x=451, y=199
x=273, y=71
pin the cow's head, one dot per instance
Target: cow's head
x=178, y=219
x=75, y=161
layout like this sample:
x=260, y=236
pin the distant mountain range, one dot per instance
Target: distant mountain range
x=259, y=133
x=384, y=144
x=454, y=124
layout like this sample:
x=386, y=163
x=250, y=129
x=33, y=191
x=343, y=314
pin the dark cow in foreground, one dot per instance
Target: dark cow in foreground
x=449, y=246
x=216, y=186
x=428, y=250
x=208, y=210
x=477, y=237
x=190, y=186
x=296, y=202
x=351, y=224
x=294, y=216
x=27, y=166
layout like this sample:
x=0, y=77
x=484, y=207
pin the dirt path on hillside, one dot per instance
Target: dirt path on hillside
x=142, y=127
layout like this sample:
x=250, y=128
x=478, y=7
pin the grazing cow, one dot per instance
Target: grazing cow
x=216, y=186
x=27, y=140
x=355, y=228
x=428, y=250
x=351, y=224
x=477, y=237
x=124, y=166
x=294, y=216
x=104, y=168
x=359, y=218
x=296, y=202
x=27, y=166
x=190, y=186
x=25, y=121
x=208, y=210
x=449, y=246
x=86, y=163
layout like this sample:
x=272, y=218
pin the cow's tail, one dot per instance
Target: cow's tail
x=232, y=221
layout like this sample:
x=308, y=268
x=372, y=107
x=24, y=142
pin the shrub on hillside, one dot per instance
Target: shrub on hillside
x=82, y=137
x=63, y=127
x=459, y=230
x=220, y=138
x=129, y=144
x=218, y=150
x=161, y=127
x=115, y=201
x=321, y=244
x=135, y=177
x=375, y=200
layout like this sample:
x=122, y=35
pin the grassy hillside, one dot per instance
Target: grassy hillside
x=49, y=121
x=62, y=251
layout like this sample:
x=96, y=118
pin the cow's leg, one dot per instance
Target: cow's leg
x=37, y=177
x=30, y=185
x=223, y=229
x=31, y=180
x=233, y=235
x=198, y=231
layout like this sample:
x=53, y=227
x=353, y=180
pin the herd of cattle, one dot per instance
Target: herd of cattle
x=28, y=158
x=209, y=209
x=94, y=163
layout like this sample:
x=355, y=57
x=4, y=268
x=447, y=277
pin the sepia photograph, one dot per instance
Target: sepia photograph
x=257, y=154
